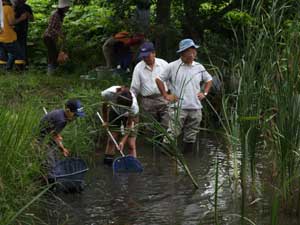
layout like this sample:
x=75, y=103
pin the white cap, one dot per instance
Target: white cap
x=63, y=3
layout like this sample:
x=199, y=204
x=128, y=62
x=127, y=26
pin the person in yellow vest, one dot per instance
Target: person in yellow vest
x=9, y=49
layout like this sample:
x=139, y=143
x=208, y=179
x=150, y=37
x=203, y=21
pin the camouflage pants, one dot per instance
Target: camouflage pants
x=156, y=107
x=186, y=121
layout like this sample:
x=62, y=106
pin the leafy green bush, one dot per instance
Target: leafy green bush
x=84, y=28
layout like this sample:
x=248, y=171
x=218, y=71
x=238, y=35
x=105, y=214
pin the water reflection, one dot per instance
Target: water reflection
x=162, y=194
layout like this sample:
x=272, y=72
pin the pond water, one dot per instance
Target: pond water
x=161, y=195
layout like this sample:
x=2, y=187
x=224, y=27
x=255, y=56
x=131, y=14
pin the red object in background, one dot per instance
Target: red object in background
x=62, y=57
x=128, y=40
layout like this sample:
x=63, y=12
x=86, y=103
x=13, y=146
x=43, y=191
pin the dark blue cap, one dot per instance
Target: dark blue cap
x=75, y=107
x=145, y=49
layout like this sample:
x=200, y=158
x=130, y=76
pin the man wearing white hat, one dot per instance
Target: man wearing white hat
x=63, y=4
x=53, y=32
x=184, y=77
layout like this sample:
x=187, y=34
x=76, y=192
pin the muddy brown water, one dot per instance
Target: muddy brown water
x=161, y=195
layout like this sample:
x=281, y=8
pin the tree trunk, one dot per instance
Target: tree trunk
x=163, y=12
x=142, y=16
x=191, y=19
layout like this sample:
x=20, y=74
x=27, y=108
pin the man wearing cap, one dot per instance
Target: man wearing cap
x=184, y=76
x=143, y=83
x=53, y=32
x=51, y=126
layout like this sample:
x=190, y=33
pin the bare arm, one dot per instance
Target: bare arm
x=161, y=87
x=207, y=87
x=58, y=140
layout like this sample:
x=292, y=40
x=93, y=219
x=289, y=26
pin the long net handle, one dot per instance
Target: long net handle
x=110, y=135
x=45, y=110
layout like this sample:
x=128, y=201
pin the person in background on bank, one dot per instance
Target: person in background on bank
x=54, y=32
x=117, y=50
x=120, y=115
x=51, y=126
x=21, y=27
x=143, y=83
x=185, y=77
x=10, y=52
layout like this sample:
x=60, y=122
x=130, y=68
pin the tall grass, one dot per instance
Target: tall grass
x=262, y=115
x=19, y=161
x=165, y=143
x=22, y=99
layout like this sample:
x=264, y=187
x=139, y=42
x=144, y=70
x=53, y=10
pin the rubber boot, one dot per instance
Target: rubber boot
x=188, y=147
x=108, y=159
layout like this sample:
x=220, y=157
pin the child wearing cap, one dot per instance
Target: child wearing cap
x=120, y=110
x=51, y=126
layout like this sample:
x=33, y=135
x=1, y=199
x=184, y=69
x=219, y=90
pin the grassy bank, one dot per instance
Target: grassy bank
x=22, y=99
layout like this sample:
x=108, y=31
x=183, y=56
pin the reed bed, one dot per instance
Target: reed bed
x=21, y=110
x=261, y=115
x=19, y=163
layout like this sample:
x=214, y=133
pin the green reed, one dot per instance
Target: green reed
x=263, y=113
x=21, y=108
x=216, y=190
x=165, y=142
x=19, y=162
x=286, y=139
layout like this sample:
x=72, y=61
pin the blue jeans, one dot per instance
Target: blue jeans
x=10, y=53
x=125, y=61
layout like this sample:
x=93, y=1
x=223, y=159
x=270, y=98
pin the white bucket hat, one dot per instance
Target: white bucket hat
x=185, y=44
x=63, y=3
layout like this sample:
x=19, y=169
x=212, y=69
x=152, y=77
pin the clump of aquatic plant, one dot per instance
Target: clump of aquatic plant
x=19, y=162
x=265, y=103
x=165, y=142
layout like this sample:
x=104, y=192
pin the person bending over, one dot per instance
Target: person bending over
x=120, y=115
x=51, y=126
